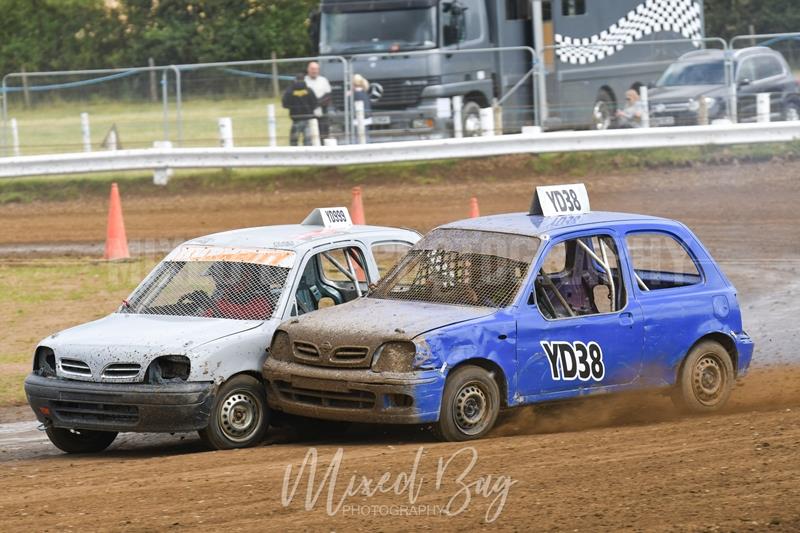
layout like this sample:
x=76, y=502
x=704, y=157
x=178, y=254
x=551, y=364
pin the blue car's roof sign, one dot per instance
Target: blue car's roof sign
x=555, y=200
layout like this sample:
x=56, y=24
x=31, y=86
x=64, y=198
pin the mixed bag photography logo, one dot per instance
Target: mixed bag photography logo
x=453, y=488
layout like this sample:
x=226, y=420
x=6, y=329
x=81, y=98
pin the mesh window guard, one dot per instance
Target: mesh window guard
x=459, y=267
x=212, y=289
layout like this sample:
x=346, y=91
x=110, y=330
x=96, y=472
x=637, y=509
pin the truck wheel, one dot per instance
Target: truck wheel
x=705, y=380
x=240, y=416
x=471, y=118
x=602, y=116
x=791, y=111
x=470, y=405
x=80, y=440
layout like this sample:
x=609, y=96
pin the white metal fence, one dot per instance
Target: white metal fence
x=101, y=120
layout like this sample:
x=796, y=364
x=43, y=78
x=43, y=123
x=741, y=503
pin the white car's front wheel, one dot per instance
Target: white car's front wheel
x=240, y=416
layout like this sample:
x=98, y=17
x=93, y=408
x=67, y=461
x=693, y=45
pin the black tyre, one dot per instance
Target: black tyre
x=470, y=405
x=791, y=111
x=471, y=119
x=80, y=440
x=240, y=416
x=705, y=380
x=603, y=111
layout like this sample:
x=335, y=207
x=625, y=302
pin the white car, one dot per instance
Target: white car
x=184, y=352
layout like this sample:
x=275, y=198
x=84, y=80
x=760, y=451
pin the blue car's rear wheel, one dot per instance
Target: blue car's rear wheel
x=470, y=405
x=706, y=379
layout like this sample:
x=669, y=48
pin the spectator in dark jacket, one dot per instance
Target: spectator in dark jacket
x=301, y=102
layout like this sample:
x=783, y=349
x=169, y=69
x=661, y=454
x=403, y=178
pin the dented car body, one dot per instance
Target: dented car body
x=201, y=320
x=515, y=309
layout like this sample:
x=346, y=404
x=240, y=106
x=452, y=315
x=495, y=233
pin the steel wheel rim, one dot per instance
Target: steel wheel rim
x=472, y=125
x=472, y=408
x=239, y=416
x=602, y=119
x=709, y=379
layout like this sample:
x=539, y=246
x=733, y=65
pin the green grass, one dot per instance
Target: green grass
x=56, y=126
x=38, y=298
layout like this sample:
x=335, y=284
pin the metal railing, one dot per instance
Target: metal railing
x=527, y=91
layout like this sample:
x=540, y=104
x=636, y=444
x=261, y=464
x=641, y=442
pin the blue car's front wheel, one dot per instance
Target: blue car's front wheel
x=470, y=405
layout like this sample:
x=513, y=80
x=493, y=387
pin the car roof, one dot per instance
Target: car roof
x=298, y=237
x=720, y=54
x=537, y=225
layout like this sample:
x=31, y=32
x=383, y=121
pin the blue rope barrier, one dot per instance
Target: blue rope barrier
x=261, y=75
x=73, y=84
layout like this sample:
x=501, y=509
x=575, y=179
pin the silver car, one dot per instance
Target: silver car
x=184, y=352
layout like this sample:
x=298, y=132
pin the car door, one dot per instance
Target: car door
x=670, y=287
x=580, y=329
x=772, y=78
x=330, y=275
x=746, y=90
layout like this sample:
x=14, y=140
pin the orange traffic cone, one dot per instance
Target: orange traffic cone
x=474, y=211
x=116, y=240
x=357, y=207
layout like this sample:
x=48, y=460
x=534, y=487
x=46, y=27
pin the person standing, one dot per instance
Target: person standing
x=301, y=102
x=361, y=94
x=322, y=90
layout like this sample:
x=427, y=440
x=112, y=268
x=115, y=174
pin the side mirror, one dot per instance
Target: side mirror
x=744, y=82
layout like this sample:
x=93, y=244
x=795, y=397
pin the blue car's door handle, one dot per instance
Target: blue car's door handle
x=626, y=319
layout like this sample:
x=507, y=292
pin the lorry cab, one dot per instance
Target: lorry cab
x=412, y=52
x=524, y=308
x=184, y=351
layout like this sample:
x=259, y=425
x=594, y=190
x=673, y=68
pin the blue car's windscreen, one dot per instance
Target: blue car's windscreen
x=461, y=267
x=211, y=289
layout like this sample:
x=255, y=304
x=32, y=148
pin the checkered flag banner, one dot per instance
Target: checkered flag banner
x=652, y=16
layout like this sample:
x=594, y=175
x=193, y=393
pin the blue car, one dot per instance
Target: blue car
x=501, y=311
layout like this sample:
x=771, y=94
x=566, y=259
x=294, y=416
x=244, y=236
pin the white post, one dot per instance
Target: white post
x=313, y=130
x=645, y=98
x=361, y=127
x=161, y=176
x=498, y=117
x=702, y=112
x=111, y=144
x=458, y=125
x=487, y=122
x=14, y=136
x=86, y=132
x=272, y=126
x=762, y=107
x=225, y=132
x=330, y=141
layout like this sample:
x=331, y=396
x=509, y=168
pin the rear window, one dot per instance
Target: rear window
x=461, y=267
x=211, y=289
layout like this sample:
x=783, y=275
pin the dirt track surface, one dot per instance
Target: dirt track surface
x=601, y=464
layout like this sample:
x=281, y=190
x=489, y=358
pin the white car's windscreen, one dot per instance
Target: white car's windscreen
x=212, y=289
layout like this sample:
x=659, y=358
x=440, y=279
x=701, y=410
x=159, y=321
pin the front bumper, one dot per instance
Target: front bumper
x=168, y=408
x=353, y=395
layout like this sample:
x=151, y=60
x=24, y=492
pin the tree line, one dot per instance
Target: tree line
x=79, y=34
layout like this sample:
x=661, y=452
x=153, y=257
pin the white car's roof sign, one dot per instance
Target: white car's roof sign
x=279, y=258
